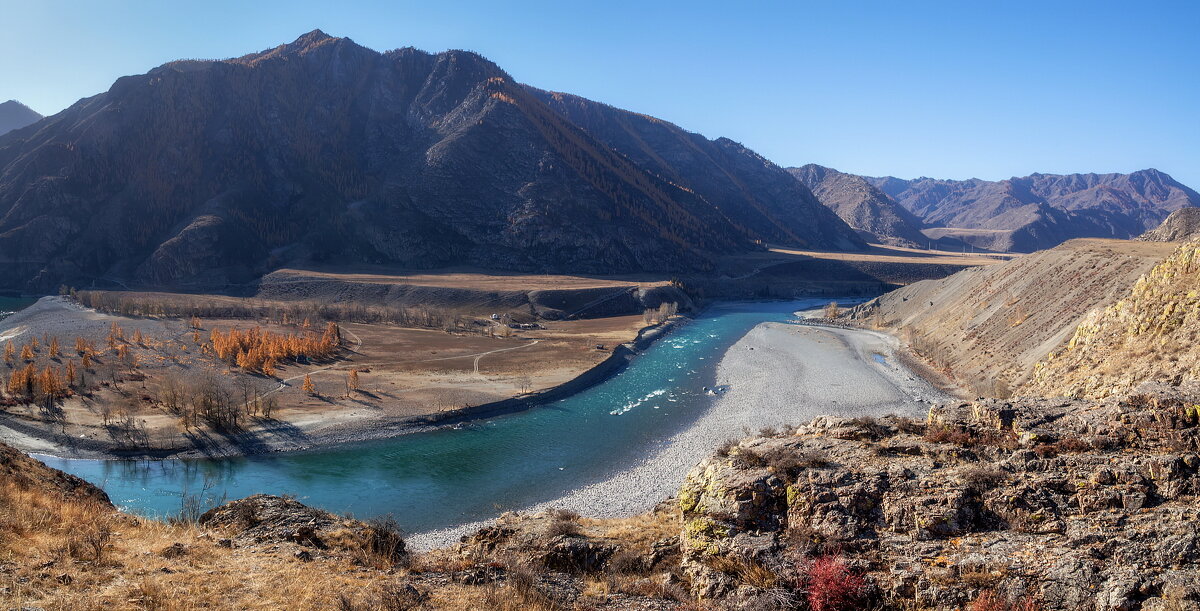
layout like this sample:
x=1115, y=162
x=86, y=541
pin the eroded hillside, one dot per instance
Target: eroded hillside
x=986, y=327
x=1150, y=335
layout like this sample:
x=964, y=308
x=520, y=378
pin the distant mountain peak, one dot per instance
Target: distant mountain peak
x=303, y=45
x=15, y=115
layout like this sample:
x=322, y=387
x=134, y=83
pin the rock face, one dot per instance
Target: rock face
x=15, y=115
x=1038, y=211
x=201, y=173
x=863, y=206
x=1148, y=336
x=1070, y=505
x=1183, y=224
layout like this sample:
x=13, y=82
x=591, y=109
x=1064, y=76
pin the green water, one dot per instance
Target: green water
x=10, y=305
x=453, y=476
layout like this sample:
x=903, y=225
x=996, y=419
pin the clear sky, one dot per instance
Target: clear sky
x=908, y=88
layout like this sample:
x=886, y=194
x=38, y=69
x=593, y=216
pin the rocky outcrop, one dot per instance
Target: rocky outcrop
x=264, y=518
x=1183, y=224
x=1061, y=504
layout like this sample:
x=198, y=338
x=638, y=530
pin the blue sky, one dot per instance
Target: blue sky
x=944, y=89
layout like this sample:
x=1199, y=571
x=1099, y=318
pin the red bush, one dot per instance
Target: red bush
x=832, y=586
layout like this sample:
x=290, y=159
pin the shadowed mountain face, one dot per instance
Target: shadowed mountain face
x=15, y=115
x=757, y=195
x=863, y=206
x=1042, y=210
x=202, y=173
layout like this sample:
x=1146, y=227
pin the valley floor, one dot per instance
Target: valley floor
x=408, y=377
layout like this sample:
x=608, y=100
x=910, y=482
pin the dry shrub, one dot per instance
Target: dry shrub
x=989, y=600
x=870, y=426
x=982, y=479
x=563, y=523
x=727, y=447
x=962, y=436
x=381, y=546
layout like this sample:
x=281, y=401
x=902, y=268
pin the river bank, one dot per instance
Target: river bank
x=317, y=431
x=778, y=374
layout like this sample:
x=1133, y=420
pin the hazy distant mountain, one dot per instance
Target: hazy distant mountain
x=1183, y=224
x=1042, y=210
x=15, y=115
x=863, y=206
x=324, y=151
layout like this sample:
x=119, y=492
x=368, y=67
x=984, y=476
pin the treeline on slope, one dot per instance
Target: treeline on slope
x=285, y=313
x=40, y=373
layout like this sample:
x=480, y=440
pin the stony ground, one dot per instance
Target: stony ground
x=1051, y=504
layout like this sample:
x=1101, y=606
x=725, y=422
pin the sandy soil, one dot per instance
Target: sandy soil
x=405, y=374
x=475, y=280
x=778, y=374
x=883, y=253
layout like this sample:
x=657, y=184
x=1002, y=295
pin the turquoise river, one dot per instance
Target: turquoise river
x=451, y=476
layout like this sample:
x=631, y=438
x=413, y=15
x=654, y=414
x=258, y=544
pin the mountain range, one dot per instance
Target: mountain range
x=1021, y=214
x=863, y=206
x=15, y=115
x=321, y=151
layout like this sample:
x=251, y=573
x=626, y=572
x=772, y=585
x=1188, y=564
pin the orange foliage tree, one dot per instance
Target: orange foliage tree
x=253, y=348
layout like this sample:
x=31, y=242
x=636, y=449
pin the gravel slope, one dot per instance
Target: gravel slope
x=777, y=374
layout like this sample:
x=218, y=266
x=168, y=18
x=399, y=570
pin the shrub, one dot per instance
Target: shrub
x=988, y=600
x=832, y=585
x=564, y=527
x=982, y=479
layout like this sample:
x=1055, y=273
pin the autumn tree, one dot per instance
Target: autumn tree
x=71, y=374
x=10, y=353
x=27, y=353
x=55, y=352
x=352, y=380
x=138, y=338
x=81, y=345
x=308, y=386
x=832, y=310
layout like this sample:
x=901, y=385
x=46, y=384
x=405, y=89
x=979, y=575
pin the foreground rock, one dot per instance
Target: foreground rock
x=1064, y=505
x=20, y=470
x=265, y=518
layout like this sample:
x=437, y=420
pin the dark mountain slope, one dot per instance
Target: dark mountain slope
x=754, y=193
x=862, y=205
x=1041, y=210
x=323, y=151
x=15, y=115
